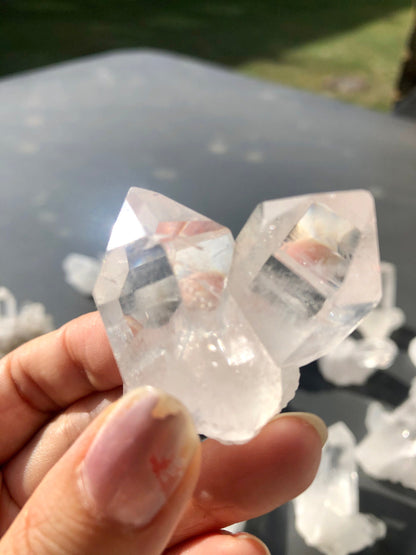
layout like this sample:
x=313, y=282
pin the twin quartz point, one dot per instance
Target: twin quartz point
x=223, y=326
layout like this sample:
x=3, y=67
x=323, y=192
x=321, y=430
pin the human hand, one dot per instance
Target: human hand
x=86, y=472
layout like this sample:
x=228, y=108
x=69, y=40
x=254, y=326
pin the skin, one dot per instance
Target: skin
x=56, y=393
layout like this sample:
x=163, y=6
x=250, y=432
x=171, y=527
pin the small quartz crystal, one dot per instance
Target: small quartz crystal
x=8, y=320
x=381, y=322
x=327, y=514
x=388, y=451
x=81, y=272
x=354, y=360
x=18, y=326
x=224, y=328
x=412, y=351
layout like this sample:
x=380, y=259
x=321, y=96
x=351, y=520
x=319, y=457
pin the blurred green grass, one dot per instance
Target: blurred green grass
x=348, y=50
x=360, y=65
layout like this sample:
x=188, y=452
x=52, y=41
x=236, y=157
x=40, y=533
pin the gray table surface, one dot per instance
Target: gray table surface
x=76, y=136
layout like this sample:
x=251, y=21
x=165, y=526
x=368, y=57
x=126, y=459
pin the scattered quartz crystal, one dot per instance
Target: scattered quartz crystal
x=354, y=360
x=412, y=351
x=381, y=322
x=224, y=328
x=81, y=272
x=327, y=514
x=17, y=327
x=388, y=451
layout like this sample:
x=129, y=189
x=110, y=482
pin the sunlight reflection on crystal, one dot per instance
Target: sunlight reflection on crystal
x=241, y=352
x=127, y=229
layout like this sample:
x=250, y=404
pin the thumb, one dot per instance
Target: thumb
x=120, y=488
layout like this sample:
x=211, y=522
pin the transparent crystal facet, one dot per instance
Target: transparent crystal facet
x=354, y=360
x=221, y=328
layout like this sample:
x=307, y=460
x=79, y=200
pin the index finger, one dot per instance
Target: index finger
x=240, y=482
x=50, y=373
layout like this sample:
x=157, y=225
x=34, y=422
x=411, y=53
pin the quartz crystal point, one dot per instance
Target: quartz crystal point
x=224, y=329
x=388, y=451
x=161, y=294
x=327, y=514
x=306, y=271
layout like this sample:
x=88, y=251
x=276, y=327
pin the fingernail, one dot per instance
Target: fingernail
x=253, y=540
x=138, y=457
x=312, y=419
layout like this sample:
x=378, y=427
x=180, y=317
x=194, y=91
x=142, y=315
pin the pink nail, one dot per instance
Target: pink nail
x=138, y=458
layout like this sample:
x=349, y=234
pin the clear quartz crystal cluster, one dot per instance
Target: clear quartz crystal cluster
x=327, y=514
x=224, y=326
x=388, y=451
x=354, y=360
x=18, y=326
